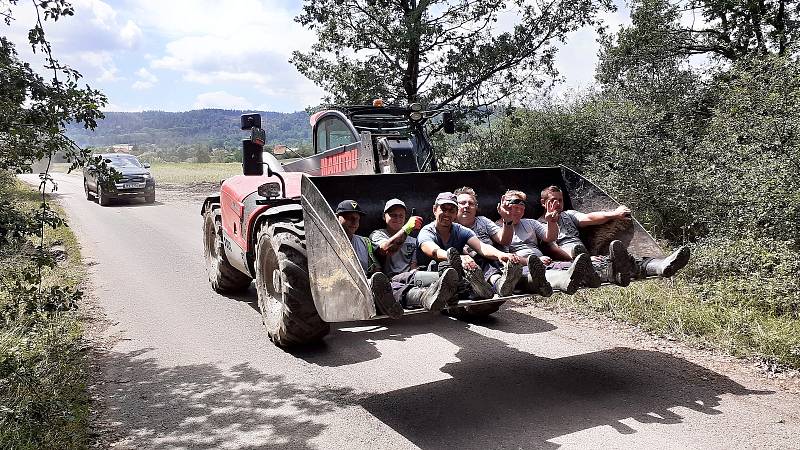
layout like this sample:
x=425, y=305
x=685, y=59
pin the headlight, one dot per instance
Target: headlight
x=147, y=176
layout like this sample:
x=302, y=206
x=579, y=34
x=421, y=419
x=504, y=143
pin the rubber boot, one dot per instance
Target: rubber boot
x=577, y=249
x=511, y=274
x=592, y=278
x=480, y=287
x=382, y=295
x=537, y=282
x=454, y=261
x=438, y=295
x=568, y=281
x=667, y=267
x=620, y=264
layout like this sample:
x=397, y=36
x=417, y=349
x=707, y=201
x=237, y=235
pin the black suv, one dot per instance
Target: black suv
x=127, y=178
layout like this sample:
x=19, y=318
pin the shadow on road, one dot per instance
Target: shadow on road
x=201, y=406
x=353, y=343
x=500, y=397
x=131, y=203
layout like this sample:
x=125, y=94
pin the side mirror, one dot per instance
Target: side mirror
x=279, y=149
x=448, y=123
x=146, y=165
x=252, y=120
x=252, y=158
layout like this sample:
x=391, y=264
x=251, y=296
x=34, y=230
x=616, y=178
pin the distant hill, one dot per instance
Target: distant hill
x=216, y=128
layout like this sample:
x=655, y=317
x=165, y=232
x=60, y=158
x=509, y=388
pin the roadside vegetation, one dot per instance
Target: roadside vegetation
x=707, y=158
x=43, y=397
x=43, y=392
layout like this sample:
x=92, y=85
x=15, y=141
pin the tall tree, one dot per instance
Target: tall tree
x=439, y=52
x=725, y=30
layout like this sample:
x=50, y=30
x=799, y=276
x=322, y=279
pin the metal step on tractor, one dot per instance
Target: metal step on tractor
x=276, y=223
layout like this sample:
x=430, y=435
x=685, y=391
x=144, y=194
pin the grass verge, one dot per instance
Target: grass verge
x=672, y=308
x=43, y=369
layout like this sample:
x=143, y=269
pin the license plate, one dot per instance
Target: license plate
x=132, y=185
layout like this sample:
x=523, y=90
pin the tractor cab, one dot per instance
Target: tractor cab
x=370, y=139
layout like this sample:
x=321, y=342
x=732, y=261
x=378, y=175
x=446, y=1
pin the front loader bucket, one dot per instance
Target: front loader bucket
x=339, y=285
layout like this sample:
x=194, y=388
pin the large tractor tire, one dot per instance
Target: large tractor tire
x=224, y=278
x=284, y=292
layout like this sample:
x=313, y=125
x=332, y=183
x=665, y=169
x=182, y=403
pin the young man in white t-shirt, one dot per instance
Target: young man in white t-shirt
x=395, y=245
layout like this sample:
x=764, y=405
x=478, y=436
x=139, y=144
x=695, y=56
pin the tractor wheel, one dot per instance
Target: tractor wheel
x=223, y=276
x=284, y=292
x=102, y=198
x=476, y=313
x=86, y=190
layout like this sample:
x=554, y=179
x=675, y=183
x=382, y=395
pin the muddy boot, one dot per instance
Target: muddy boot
x=438, y=295
x=382, y=294
x=620, y=264
x=577, y=249
x=511, y=274
x=480, y=287
x=667, y=267
x=568, y=281
x=537, y=282
x=454, y=261
x=592, y=278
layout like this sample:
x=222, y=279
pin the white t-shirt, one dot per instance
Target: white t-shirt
x=527, y=235
x=399, y=261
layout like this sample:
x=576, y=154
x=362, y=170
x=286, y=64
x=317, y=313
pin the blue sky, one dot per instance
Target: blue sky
x=180, y=55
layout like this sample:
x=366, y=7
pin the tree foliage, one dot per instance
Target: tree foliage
x=41, y=376
x=724, y=30
x=438, y=52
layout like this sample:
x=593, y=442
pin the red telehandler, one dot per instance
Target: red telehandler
x=275, y=223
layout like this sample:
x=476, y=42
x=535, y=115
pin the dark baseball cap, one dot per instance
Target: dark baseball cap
x=392, y=203
x=349, y=206
x=446, y=197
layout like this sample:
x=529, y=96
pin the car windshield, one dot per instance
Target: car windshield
x=124, y=161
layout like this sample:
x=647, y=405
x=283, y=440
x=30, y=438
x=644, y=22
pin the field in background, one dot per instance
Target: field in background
x=180, y=173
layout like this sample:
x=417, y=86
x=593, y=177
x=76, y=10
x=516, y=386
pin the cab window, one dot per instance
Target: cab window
x=331, y=133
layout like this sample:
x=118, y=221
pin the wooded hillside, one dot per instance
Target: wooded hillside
x=217, y=128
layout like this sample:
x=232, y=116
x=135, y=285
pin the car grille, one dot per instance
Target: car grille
x=131, y=179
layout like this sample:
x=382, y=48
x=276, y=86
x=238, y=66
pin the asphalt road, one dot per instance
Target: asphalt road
x=185, y=367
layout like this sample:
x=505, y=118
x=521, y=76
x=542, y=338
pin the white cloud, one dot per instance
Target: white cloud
x=146, y=80
x=221, y=99
x=130, y=34
x=145, y=75
x=101, y=64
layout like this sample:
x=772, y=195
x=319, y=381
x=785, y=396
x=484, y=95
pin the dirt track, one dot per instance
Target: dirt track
x=184, y=367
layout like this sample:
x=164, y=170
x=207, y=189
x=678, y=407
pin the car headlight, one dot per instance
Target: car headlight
x=147, y=176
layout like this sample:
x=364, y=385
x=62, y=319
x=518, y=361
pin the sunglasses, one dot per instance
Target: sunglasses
x=515, y=201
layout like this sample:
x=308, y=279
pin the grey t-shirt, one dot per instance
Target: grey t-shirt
x=527, y=235
x=568, y=230
x=459, y=235
x=399, y=261
x=485, y=229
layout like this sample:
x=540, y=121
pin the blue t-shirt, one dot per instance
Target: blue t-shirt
x=459, y=235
